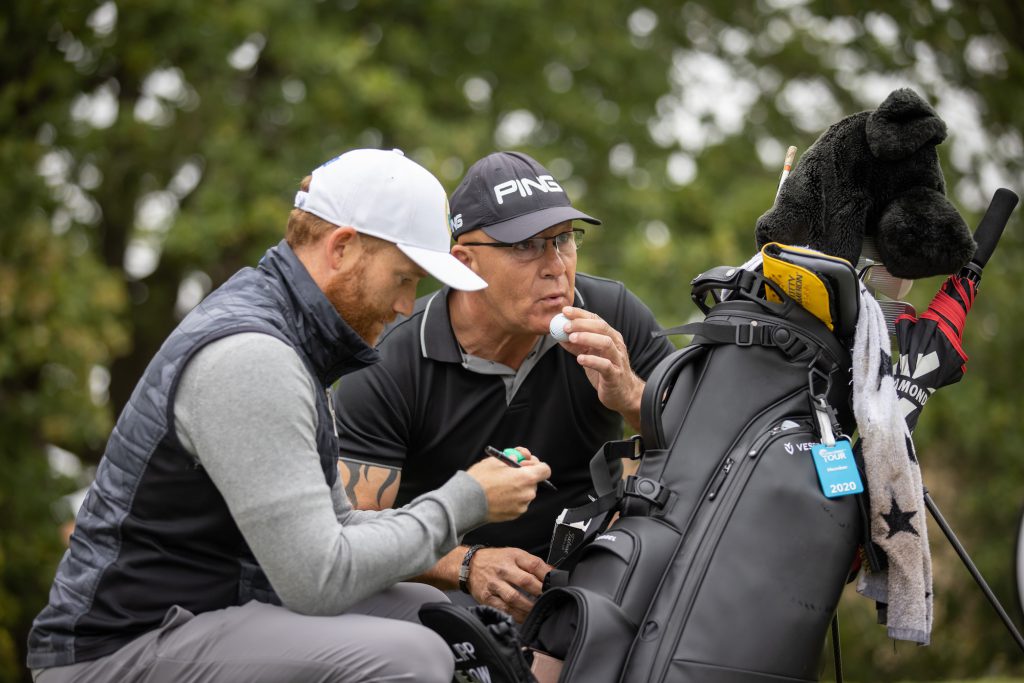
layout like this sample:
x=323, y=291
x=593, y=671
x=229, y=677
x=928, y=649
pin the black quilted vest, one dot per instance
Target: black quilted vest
x=154, y=531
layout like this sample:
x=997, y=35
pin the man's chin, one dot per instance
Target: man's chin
x=372, y=338
x=541, y=326
x=377, y=332
x=367, y=331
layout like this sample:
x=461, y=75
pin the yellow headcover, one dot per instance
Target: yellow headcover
x=794, y=270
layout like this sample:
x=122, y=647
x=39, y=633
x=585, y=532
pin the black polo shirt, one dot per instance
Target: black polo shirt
x=422, y=410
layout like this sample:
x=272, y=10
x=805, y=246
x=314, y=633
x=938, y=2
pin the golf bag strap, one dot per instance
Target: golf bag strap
x=606, y=475
x=577, y=527
x=650, y=490
x=606, y=465
x=753, y=333
x=655, y=389
x=601, y=504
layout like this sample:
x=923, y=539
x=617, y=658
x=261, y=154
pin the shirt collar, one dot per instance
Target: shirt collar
x=437, y=338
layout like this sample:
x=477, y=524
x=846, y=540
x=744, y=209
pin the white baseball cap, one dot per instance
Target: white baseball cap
x=386, y=195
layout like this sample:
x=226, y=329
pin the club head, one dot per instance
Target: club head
x=876, y=277
x=879, y=280
x=891, y=310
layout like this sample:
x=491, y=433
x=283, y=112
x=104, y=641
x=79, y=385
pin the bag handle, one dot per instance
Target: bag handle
x=744, y=283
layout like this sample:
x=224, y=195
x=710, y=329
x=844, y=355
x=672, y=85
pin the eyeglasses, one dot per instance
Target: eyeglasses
x=532, y=249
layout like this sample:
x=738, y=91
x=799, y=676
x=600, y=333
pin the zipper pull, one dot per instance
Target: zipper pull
x=720, y=478
x=330, y=408
x=759, y=444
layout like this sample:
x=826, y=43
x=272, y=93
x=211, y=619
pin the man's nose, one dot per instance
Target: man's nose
x=553, y=260
x=404, y=303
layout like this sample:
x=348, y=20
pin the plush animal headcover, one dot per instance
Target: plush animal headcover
x=875, y=173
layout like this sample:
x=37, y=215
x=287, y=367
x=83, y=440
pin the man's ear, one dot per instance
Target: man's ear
x=464, y=255
x=339, y=244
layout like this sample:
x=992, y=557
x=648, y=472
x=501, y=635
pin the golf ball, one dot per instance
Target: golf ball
x=556, y=327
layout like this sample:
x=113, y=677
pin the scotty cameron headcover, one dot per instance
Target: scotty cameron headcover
x=874, y=173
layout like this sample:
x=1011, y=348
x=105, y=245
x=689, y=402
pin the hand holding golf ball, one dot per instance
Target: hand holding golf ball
x=557, y=328
x=601, y=351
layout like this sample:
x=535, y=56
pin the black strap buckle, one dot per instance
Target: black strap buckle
x=631, y=448
x=650, y=490
x=740, y=341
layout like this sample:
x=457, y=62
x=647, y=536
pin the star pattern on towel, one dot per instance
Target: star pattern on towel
x=898, y=520
x=884, y=367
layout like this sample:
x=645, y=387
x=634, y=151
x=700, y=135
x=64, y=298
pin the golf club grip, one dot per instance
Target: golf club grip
x=990, y=229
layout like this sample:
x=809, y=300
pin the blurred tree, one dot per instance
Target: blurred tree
x=151, y=148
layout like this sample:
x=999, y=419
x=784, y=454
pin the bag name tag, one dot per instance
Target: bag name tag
x=837, y=470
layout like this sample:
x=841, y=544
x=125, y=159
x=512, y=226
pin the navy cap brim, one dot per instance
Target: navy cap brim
x=529, y=224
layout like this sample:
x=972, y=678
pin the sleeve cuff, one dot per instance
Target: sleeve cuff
x=469, y=502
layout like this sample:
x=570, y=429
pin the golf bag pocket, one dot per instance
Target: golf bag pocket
x=615, y=563
x=585, y=629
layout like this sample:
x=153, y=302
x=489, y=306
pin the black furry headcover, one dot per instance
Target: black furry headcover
x=875, y=173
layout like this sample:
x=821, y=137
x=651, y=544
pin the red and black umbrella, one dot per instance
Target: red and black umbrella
x=931, y=345
x=932, y=355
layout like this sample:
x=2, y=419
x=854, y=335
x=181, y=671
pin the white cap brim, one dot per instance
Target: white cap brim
x=444, y=267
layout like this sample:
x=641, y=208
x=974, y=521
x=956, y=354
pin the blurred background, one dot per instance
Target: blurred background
x=149, y=149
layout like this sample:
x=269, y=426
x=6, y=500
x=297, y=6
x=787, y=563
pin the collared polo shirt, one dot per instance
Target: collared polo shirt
x=428, y=409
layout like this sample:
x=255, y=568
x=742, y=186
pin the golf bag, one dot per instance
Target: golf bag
x=726, y=561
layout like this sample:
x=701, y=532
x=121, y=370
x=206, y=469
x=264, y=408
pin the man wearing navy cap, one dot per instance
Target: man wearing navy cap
x=472, y=369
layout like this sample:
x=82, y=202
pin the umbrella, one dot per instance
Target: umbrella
x=932, y=355
x=931, y=346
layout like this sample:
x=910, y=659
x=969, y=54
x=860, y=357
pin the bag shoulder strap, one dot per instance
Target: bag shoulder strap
x=656, y=389
x=606, y=475
x=753, y=333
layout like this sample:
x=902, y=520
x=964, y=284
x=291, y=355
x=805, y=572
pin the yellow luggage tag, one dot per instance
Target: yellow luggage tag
x=798, y=272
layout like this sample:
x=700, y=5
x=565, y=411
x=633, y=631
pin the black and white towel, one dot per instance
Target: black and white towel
x=896, y=495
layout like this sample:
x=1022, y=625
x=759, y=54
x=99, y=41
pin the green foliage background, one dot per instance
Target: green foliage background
x=179, y=129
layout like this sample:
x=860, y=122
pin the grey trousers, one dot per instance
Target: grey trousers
x=378, y=640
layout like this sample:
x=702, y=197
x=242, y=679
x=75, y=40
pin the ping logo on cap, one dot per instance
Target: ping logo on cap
x=544, y=183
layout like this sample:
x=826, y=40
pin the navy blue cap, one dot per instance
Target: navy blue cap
x=511, y=197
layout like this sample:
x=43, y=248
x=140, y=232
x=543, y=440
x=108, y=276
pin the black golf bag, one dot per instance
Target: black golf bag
x=726, y=561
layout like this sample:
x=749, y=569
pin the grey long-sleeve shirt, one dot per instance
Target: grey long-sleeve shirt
x=245, y=409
